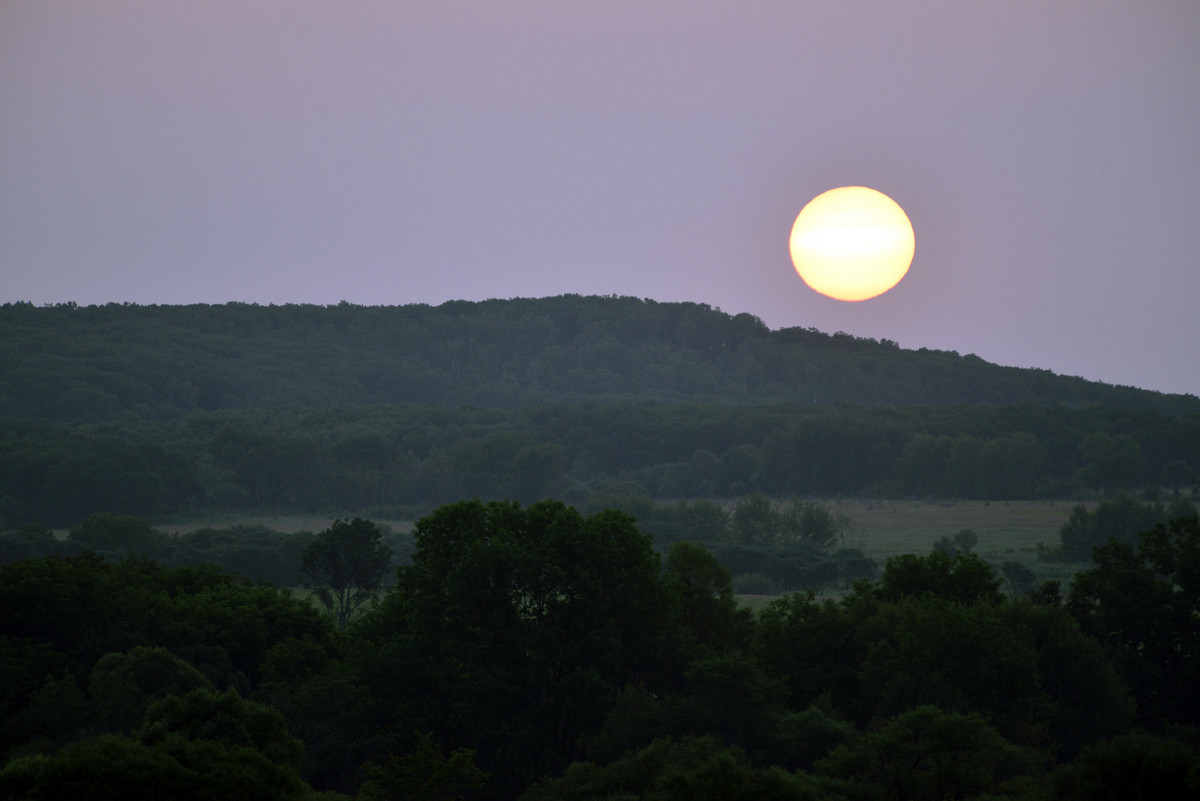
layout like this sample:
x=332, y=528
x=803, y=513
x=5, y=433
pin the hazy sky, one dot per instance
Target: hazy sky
x=276, y=151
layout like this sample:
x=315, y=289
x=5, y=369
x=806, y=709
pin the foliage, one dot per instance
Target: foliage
x=93, y=362
x=1110, y=461
x=124, y=533
x=963, y=541
x=425, y=774
x=122, y=686
x=515, y=622
x=1020, y=578
x=346, y=564
x=225, y=718
x=617, y=454
x=758, y=522
x=115, y=767
x=1131, y=767
x=1143, y=603
x=961, y=577
x=204, y=745
x=254, y=551
x=607, y=402
x=522, y=640
x=29, y=542
x=1119, y=518
x=930, y=754
x=63, y=616
x=702, y=591
x=690, y=769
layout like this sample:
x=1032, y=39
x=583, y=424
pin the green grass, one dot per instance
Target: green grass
x=1007, y=530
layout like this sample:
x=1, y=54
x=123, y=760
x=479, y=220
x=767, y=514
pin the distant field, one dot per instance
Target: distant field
x=1008, y=530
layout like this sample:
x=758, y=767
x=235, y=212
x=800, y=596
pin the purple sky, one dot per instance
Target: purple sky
x=276, y=151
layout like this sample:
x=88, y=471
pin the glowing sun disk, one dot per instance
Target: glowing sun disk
x=852, y=243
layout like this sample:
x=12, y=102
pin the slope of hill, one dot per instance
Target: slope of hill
x=67, y=362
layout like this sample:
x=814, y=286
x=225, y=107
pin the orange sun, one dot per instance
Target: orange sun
x=852, y=243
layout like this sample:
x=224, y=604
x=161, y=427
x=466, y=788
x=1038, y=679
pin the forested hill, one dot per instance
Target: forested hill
x=69, y=362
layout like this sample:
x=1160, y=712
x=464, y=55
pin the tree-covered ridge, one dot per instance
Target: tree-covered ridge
x=104, y=362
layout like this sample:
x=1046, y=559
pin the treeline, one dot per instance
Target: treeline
x=254, y=552
x=400, y=461
x=68, y=363
x=769, y=547
x=538, y=653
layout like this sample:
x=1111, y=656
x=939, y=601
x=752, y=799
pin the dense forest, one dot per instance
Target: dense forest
x=542, y=654
x=71, y=363
x=396, y=410
x=590, y=647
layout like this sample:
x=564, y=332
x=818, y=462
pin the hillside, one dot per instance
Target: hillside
x=610, y=401
x=69, y=363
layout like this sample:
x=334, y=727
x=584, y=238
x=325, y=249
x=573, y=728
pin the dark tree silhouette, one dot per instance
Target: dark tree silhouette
x=345, y=565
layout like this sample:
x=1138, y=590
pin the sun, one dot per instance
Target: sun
x=852, y=243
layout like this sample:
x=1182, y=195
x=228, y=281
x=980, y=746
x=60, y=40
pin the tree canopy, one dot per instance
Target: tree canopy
x=346, y=564
x=538, y=652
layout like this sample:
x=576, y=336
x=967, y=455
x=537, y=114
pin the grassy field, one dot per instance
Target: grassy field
x=1007, y=530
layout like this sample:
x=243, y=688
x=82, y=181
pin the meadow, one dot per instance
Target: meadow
x=1008, y=530
x=881, y=528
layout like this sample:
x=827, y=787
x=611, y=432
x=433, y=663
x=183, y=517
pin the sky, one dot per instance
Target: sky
x=412, y=151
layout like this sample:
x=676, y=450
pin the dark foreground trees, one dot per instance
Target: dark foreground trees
x=515, y=626
x=205, y=746
x=537, y=652
x=1143, y=603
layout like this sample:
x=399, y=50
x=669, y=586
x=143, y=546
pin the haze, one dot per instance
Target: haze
x=391, y=153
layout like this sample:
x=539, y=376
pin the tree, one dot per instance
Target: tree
x=225, y=718
x=961, y=578
x=963, y=541
x=813, y=523
x=123, y=685
x=1020, y=578
x=966, y=539
x=930, y=754
x=426, y=774
x=108, y=532
x=29, y=542
x=1132, y=767
x=205, y=746
x=1111, y=462
x=113, y=767
x=538, y=470
x=513, y=628
x=1178, y=473
x=960, y=658
x=703, y=591
x=1082, y=698
x=689, y=769
x=346, y=564
x=1143, y=603
x=1120, y=518
x=755, y=520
